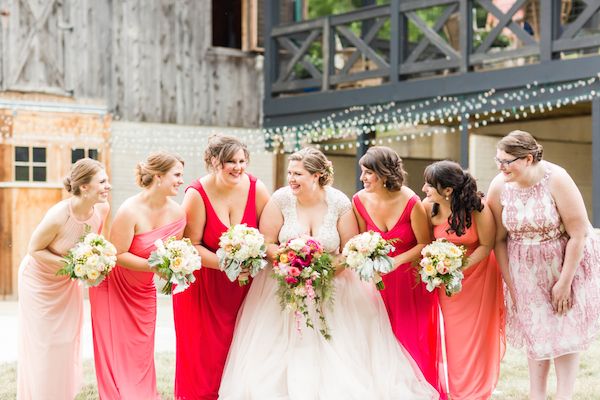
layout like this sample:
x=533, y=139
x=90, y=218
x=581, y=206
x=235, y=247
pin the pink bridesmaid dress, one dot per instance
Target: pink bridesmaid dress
x=123, y=323
x=50, y=319
x=413, y=311
x=473, y=323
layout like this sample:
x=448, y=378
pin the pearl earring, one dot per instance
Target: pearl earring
x=447, y=198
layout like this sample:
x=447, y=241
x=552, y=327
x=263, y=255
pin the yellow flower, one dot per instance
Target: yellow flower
x=429, y=270
x=283, y=258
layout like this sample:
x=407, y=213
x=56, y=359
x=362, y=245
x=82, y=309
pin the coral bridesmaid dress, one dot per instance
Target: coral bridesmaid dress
x=473, y=323
x=413, y=311
x=123, y=323
x=50, y=321
x=206, y=312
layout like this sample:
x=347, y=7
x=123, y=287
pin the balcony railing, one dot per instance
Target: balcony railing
x=416, y=39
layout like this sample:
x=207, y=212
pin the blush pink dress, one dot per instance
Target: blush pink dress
x=536, y=248
x=123, y=323
x=50, y=319
x=473, y=323
x=413, y=311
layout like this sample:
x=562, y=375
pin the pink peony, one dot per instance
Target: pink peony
x=293, y=271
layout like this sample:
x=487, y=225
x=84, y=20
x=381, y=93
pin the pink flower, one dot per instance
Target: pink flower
x=293, y=271
x=291, y=255
x=442, y=268
x=310, y=290
x=290, y=280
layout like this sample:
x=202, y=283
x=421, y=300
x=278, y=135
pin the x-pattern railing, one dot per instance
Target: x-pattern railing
x=432, y=52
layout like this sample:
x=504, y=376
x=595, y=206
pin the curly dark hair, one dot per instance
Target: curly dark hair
x=465, y=196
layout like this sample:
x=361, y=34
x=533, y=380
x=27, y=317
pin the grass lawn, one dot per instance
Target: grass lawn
x=513, y=379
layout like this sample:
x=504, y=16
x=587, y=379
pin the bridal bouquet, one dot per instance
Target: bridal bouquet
x=241, y=253
x=305, y=275
x=90, y=260
x=442, y=264
x=367, y=254
x=175, y=260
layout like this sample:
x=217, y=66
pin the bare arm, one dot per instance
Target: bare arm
x=262, y=198
x=347, y=228
x=500, y=249
x=486, y=232
x=362, y=224
x=45, y=233
x=270, y=224
x=121, y=236
x=571, y=209
x=420, y=226
x=195, y=213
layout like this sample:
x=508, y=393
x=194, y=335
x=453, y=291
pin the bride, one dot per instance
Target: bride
x=269, y=359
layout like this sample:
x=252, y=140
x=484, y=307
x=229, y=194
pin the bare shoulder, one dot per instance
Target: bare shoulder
x=103, y=209
x=58, y=214
x=428, y=205
x=176, y=209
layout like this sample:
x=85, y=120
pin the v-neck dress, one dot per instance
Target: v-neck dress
x=206, y=312
x=413, y=311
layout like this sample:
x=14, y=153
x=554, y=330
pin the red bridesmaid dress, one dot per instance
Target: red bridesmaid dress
x=413, y=311
x=206, y=312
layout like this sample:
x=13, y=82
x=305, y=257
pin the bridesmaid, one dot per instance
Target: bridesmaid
x=386, y=206
x=205, y=313
x=548, y=253
x=51, y=307
x=473, y=318
x=124, y=305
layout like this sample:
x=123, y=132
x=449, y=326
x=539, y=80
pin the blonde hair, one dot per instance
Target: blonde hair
x=521, y=144
x=81, y=174
x=223, y=148
x=315, y=162
x=158, y=163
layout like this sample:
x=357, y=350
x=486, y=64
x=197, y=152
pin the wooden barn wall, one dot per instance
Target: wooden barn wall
x=148, y=60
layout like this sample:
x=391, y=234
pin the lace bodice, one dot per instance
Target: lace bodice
x=328, y=235
x=530, y=214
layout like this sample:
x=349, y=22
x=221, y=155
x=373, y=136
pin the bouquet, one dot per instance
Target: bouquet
x=367, y=254
x=442, y=263
x=305, y=275
x=90, y=260
x=175, y=261
x=241, y=249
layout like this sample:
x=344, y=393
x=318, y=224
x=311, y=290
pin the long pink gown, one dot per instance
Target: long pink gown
x=413, y=311
x=123, y=323
x=473, y=323
x=50, y=319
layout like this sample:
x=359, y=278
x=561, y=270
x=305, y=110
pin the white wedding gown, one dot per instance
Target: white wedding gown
x=269, y=359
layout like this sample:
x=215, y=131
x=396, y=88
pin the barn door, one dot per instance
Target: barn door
x=33, y=45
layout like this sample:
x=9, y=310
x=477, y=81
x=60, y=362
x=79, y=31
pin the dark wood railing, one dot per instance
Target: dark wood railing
x=395, y=43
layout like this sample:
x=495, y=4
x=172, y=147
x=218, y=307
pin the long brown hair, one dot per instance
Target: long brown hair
x=465, y=196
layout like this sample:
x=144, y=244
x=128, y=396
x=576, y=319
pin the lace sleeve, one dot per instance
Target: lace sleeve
x=281, y=198
x=340, y=202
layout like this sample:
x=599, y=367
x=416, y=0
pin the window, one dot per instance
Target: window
x=253, y=20
x=30, y=164
x=227, y=23
x=78, y=154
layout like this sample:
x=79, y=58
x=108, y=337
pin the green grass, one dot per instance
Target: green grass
x=513, y=383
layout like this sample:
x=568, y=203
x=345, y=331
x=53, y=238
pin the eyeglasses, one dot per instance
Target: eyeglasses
x=506, y=163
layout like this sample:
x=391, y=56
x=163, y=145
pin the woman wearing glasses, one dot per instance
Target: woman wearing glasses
x=549, y=257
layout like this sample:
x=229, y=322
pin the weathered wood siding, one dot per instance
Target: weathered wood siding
x=148, y=60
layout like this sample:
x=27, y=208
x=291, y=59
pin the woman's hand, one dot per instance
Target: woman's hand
x=561, y=297
x=338, y=264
